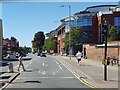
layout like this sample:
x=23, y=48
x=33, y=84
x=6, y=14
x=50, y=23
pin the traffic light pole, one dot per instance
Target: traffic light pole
x=105, y=28
x=105, y=65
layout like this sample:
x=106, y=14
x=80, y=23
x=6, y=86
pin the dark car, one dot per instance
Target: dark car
x=43, y=54
x=4, y=63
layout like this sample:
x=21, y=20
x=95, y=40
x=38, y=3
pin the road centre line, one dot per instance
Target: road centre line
x=60, y=67
x=56, y=62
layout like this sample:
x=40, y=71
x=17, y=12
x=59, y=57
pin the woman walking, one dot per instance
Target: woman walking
x=21, y=62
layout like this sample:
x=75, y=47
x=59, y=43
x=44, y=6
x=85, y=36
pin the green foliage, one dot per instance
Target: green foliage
x=113, y=34
x=25, y=49
x=38, y=41
x=76, y=36
x=50, y=44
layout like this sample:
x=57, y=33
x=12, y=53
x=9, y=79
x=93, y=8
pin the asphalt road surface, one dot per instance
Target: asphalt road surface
x=46, y=72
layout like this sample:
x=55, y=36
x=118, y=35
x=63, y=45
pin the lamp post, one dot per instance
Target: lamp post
x=69, y=7
x=1, y=39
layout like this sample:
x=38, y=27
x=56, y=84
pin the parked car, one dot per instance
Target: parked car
x=11, y=56
x=4, y=63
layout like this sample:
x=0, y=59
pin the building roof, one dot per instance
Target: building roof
x=87, y=9
x=96, y=9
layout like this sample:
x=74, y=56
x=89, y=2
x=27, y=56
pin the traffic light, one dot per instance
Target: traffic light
x=104, y=29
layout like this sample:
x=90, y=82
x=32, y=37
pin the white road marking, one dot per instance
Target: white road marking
x=44, y=72
x=26, y=66
x=57, y=71
x=43, y=64
x=39, y=72
x=30, y=62
x=56, y=62
x=53, y=73
x=60, y=67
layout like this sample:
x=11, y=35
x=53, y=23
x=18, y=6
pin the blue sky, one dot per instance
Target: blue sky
x=23, y=19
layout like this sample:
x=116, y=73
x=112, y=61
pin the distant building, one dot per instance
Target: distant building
x=60, y=36
x=10, y=45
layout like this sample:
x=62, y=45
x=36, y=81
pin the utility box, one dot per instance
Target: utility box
x=11, y=68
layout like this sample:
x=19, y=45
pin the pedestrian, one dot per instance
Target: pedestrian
x=21, y=62
x=79, y=56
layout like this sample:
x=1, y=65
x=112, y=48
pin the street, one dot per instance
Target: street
x=45, y=72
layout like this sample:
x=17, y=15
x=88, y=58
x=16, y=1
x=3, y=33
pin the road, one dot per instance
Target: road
x=46, y=72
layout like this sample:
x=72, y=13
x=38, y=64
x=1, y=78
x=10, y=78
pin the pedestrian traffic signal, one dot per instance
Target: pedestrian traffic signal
x=104, y=28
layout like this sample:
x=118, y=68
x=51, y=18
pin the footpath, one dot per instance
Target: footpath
x=91, y=72
x=6, y=76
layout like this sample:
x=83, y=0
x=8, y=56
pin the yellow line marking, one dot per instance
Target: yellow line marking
x=81, y=80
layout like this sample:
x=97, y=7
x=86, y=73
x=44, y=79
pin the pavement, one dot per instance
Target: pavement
x=91, y=72
x=6, y=77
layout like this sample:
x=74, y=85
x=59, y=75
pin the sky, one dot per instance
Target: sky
x=23, y=19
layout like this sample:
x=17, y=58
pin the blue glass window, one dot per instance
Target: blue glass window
x=117, y=23
x=84, y=22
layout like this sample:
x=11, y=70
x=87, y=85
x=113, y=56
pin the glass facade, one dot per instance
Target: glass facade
x=117, y=23
x=61, y=32
x=84, y=22
x=80, y=22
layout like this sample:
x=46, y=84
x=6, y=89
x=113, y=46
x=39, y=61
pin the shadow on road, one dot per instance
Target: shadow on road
x=26, y=59
x=32, y=82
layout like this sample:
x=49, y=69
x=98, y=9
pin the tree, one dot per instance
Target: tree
x=76, y=37
x=25, y=50
x=50, y=44
x=113, y=34
x=38, y=41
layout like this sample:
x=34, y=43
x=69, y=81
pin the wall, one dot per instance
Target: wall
x=98, y=53
x=60, y=38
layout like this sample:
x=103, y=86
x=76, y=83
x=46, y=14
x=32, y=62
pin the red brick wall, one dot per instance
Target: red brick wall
x=60, y=37
x=98, y=53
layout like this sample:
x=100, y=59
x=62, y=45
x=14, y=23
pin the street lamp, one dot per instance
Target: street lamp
x=1, y=39
x=69, y=7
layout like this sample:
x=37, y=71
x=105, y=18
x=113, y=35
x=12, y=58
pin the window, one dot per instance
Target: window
x=84, y=22
x=117, y=23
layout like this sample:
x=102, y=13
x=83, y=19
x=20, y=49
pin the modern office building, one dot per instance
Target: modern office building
x=90, y=20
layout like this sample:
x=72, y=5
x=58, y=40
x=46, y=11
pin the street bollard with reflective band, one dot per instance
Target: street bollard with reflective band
x=11, y=68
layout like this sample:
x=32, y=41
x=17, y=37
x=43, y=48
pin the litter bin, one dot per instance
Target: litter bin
x=11, y=68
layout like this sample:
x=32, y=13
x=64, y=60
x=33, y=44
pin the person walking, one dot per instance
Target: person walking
x=21, y=62
x=79, y=56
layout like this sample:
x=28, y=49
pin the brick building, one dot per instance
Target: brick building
x=89, y=20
